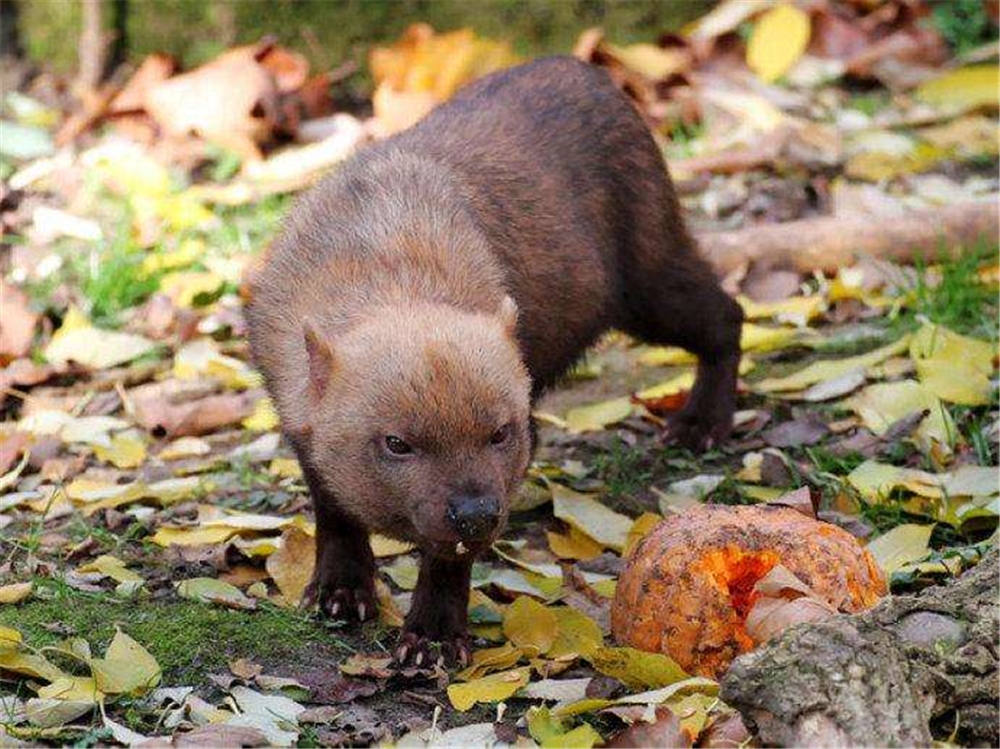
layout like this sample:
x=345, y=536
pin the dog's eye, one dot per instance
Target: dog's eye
x=501, y=435
x=396, y=446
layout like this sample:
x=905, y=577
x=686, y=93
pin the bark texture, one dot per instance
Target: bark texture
x=829, y=243
x=914, y=668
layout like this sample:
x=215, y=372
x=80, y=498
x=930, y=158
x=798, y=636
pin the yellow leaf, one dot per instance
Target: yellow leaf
x=185, y=447
x=882, y=404
x=970, y=136
x=28, y=664
x=15, y=592
x=637, y=669
x=642, y=525
x=573, y=545
x=578, y=634
x=71, y=688
x=203, y=357
x=666, y=356
x=672, y=386
x=291, y=566
x=488, y=660
x=796, y=310
x=649, y=60
x=527, y=623
x=10, y=639
x=191, y=536
x=383, y=546
x=876, y=480
x=286, y=468
x=956, y=368
x=778, y=39
x=549, y=731
x=587, y=515
x=126, y=668
x=264, y=418
x=211, y=590
x=125, y=451
x=763, y=338
x=596, y=416
x=966, y=88
x=904, y=543
x=77, y=340
x=827, y=369
x=492, y=688
x=112, y=567
x=190, y=251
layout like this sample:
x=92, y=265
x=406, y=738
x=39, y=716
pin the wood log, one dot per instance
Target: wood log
x=914, y=668
x=830, y=243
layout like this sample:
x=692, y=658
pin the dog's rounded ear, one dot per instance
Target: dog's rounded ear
x=321, y=358
x=508, y=313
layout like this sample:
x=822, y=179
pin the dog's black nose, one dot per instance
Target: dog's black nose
x=474, y=516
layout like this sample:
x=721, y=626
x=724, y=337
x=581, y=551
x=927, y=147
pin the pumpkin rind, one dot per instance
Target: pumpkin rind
x=688, y=585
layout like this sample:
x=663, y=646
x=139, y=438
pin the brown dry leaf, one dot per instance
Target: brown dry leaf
x=154, y=411
x=231, y=100
x=783, y=600
x=17, y=323
x=155, y=69
x=21, y=372
x=291, y=566
x=664, y=731
x=424, y=68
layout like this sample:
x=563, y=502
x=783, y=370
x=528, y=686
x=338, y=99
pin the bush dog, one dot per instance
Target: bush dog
x=420, y=298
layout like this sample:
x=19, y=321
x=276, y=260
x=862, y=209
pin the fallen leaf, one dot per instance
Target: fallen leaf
x=126, y=668
x=664, y=731
x=586, y=514
x=963, y=89
x=17, y=329
x=796, y=310
x=637, y=669
x=79, y=341
x=125, y=451
x=883, y=404
x=112, y=567
x=527, y=623
x=828, y=369
x=549, y=731
x=291, y=566
x=573, y=545
x=779, y=37
x=578, y=634
x=875, y=481
x=15, y=592
x=492, y=688
x=956, y=368
x=491, y=659
x=210, y=590
x=903, y=544
x=597, y=416
x=804, y=431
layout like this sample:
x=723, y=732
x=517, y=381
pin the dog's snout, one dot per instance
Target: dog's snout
x=474, y=517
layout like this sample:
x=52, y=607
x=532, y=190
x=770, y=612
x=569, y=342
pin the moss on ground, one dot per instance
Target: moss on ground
x=187, y=638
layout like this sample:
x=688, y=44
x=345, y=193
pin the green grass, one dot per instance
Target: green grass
x=964, y=24
x=959, y=301
x=625, y=470
x=187, y=638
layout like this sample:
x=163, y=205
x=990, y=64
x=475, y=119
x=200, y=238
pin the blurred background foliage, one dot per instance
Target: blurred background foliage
x=329, y=32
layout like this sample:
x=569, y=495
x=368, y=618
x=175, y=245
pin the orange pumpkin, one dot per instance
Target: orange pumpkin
x=689, y=584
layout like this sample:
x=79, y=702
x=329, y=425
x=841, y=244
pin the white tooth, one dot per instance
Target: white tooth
x=460, y=548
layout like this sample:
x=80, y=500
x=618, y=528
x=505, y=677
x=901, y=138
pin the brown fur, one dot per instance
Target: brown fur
x=382, y=308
